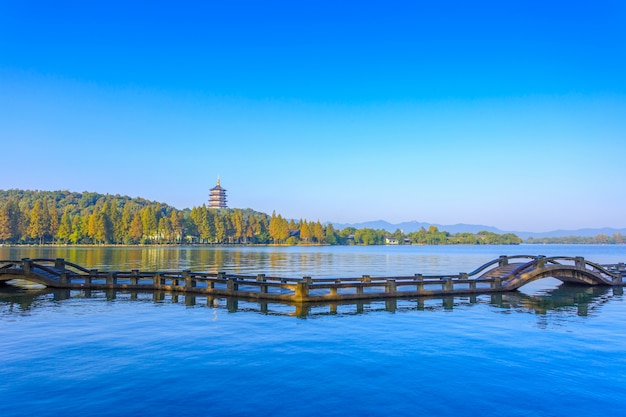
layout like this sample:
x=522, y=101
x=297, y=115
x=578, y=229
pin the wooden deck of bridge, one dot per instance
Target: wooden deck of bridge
x=498, y=275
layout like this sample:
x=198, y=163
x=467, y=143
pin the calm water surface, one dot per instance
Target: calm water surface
x=549, y=350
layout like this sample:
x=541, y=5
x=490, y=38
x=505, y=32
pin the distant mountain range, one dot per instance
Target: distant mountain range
x=414, y=226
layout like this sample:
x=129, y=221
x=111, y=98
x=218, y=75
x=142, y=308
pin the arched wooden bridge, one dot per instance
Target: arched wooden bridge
x=507, y=273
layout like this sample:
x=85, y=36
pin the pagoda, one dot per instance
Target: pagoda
x=217, y=196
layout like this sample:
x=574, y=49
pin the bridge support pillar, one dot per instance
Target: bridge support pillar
x=63, y=278
x=59, y=263
x=111, y=279
x=364, y=279
x=302, y=290
x=579, y=262
x=503, y=261
x=391, y=286
x=93, y=273
x=27, y=265
x=231, y=284
x=420, y=282
x=189, y=281
x=134, y=277
x=262, y=288
x=541, y=261
x=496, y=283
x=448, y=284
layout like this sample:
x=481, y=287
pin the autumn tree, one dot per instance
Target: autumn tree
x=9, y=220
x=317, y=231
x=39, y=221
x=305, y=231
x=135, y=231
x=278, y=228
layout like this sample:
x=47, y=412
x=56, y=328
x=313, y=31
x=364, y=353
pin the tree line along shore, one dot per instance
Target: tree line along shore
x=63, y=217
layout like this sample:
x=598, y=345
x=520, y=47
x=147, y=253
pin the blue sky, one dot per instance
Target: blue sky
x=510, y=114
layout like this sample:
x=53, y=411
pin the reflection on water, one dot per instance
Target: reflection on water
x=566, y=299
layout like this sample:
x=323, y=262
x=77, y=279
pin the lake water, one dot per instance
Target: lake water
x=547, y=350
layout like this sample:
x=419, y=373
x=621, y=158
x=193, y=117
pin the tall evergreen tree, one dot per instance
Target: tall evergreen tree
x=39, y=223
x=65, y=227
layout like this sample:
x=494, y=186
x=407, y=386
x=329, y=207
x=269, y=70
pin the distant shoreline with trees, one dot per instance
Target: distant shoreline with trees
x=71, y=218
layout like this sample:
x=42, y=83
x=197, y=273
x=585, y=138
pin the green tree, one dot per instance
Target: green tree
x=149, y=222
x=165, y=232
x=53, y=220
x=65, y=227
x=176, y=222
x=330, y=235
x=79, y=230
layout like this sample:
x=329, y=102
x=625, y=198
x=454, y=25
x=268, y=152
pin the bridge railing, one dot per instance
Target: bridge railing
x=70, y=275
x=501, y=261
x=582, y=263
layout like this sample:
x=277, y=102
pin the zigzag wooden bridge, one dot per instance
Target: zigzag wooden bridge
x=507, y=273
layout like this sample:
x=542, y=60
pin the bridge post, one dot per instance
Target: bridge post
x=541, y=261
x=93, y=273
x=364, y=279
x=472, y=285
x=333, y=290
x=63, y=278
x=27, y=265
x=302, y=290
x=59, y=263
x=263, y=287
x=448, y=284
x=579, y=262
x=503, y=260
x=156, y=281
x=391, y=286
x=496, y=283
x=134, y=277
x=189, y=281
x=111, y=279
x=420, y=282
x=618, y=277
x=231, y=284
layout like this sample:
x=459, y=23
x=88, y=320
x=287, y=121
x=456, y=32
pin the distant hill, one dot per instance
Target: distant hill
x=413, y=226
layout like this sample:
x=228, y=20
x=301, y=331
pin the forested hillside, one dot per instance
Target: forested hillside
x=63, y=217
